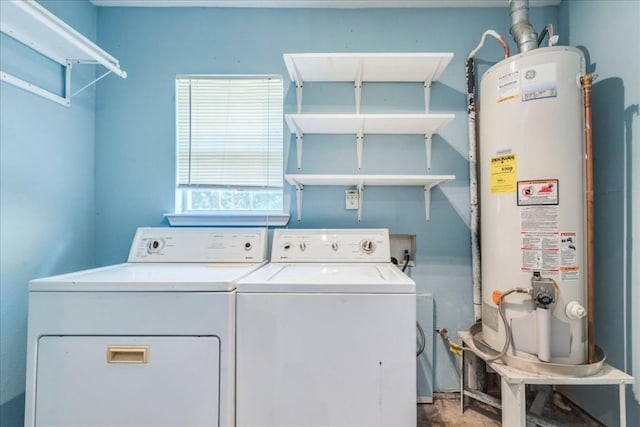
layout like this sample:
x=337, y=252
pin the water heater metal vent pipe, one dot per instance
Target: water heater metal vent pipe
x=521, y=29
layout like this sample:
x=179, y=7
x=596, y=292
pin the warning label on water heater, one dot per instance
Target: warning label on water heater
x=539, y=218
x=569, y=269
x=538, y=192
x=540, y=251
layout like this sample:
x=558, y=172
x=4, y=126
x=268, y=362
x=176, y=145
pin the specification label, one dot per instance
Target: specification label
x=509, y=86
x=503, y=173
x=539, y=82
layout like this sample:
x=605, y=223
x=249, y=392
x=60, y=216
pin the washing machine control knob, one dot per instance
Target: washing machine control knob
x=303, y=246
x=335, y=246
x=286, y=246
x=247, y=246
x=367, y=246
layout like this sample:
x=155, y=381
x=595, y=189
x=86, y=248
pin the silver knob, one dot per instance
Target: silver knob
x=367, y=246
x=334, y=246
x=303, y=246
x=155, y=245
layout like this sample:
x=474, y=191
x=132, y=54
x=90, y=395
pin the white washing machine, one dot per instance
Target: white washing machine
x=326, y=334
x=150, y=342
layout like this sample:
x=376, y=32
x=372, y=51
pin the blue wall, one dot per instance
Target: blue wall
x=615, y=58
x=47, y=191
x=64, y=208
x=135, y=125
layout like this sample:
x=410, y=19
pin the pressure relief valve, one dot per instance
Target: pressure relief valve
x=574, y=310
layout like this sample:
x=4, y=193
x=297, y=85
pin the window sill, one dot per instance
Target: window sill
x=228, y=218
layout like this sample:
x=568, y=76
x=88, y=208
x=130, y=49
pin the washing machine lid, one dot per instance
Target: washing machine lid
x=328, y=278
x=141, y=277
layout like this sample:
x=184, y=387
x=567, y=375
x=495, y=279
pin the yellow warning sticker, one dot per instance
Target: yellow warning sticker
x=504, y=173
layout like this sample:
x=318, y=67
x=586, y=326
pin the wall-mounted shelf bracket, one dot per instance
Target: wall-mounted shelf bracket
x=427, y=142
x=65, y=99
x=358, y=88
x=359, y=147
x=360, y=199
x=427, y=201
x=15, y=81
x=105, y=74
x=427, y=96
x=299, y=138
x=299, y=86
x=358, y=85
x=37, y=28
x=299, y=189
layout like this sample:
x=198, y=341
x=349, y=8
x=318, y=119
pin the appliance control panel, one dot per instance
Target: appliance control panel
x=198, y=244
x=331, y=245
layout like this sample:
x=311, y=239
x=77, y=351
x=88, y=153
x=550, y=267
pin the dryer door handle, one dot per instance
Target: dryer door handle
x=127, y=354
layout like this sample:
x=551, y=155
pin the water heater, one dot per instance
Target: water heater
x=532, y=192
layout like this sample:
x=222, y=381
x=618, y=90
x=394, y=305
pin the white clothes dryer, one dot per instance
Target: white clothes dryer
x=326, y=334
x=150, y=342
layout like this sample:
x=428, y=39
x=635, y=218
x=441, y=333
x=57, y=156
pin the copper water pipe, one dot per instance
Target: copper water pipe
x=505, y=46
x=587, y=82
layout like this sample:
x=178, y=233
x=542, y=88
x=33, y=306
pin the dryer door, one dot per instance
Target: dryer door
x=127, y=381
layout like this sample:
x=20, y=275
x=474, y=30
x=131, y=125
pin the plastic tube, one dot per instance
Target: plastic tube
x=543, y=333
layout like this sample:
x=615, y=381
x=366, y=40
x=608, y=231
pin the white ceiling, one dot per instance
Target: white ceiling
x=318, y=3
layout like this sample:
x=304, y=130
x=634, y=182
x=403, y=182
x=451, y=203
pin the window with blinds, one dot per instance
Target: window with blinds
x=229, y=143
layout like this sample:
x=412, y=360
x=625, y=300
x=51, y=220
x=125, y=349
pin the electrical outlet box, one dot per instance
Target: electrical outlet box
x=401, y=243
x=352, y=199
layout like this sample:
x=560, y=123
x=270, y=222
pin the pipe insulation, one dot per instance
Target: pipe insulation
x=521, y=29
x=474, y=223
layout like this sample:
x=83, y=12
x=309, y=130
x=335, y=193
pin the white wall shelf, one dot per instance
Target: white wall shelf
x=359, y=68
x=365, y=67
x=36, y=27
x=361, y=181
x=361, y=124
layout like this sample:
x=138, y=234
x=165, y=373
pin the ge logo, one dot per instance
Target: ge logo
x=530, y=74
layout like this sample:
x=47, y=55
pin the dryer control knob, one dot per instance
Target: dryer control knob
x=335, y=246
x=247, y=246
x=367, y=246
x=155, y=245
x=303, y=246
x=286, y=246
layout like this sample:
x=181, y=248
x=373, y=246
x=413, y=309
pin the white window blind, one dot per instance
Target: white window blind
x=229, y=132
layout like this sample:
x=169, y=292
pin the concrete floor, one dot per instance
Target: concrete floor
x=445, y=411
